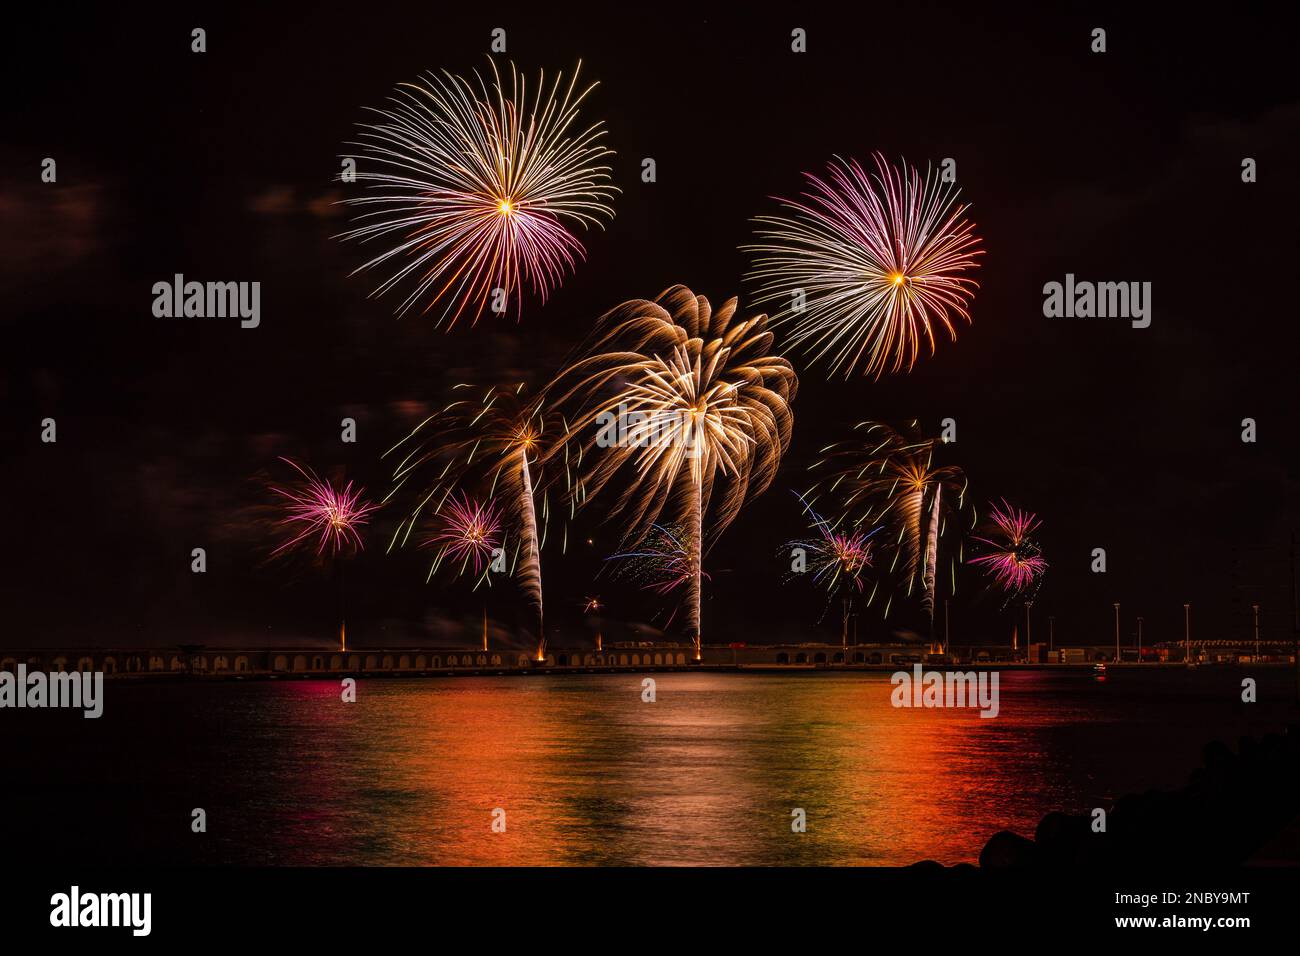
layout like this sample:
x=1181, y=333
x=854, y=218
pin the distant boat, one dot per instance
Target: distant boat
x=1099, y=670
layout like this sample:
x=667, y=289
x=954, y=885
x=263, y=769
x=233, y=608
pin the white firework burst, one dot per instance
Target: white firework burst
x=864, y=267
x=473, y=188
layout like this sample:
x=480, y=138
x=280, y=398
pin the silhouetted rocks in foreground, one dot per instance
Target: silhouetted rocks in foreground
x=1229, y=809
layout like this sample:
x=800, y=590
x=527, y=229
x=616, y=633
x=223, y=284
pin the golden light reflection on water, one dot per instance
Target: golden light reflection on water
x=707, y=774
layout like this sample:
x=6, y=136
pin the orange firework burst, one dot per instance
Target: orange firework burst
x=688, y=406
x=491, y=440
x=891, y=477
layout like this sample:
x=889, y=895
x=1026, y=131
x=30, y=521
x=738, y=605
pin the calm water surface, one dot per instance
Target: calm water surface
x=589, y=774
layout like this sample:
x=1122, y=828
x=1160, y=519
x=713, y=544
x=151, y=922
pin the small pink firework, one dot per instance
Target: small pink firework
x=1016, y=561
x=317, y=510
x=469, y=531
x=837, y=558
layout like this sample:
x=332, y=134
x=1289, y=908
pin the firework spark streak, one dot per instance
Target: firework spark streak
x=318, y=511
x=469, y=531
x=710, y=405
x=864, y=267
x=474, y=187
x=494, y=440
x=1015, y=561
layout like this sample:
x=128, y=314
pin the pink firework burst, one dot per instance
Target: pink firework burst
x=837, y=557
x=1016, y=561
x=316, y=510
x=469, y=531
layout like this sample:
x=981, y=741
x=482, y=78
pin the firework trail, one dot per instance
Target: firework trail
x=864, y=267
x=837, y=559
x=1015, y=560
x=469, y=532
x=494, y=440
x=888, y=476
x=473, y=187
x=316, y=510
x=688, y=406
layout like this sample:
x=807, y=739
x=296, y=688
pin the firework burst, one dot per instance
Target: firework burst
x=891, y=477
x=1014, y=561
x=688, y=406
x=494, y=440
x=864, y=267
x=663, y=561
x=468, y=532
x=317, y=511
x=838, y=557
x=474, y=187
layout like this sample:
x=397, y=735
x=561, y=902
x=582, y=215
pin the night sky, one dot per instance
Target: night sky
x=1122, y=166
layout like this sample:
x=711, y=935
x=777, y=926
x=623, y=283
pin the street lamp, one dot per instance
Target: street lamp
x=1139, y=640
x=1117, y=632
x=1187, y=634
x=1051, y=632
x=1255, y=608
x=1029, y=641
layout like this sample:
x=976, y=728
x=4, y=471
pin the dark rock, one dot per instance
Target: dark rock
x=927, y=867
x=1007, y=849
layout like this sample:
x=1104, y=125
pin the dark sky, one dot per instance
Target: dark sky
x=1120, y=166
